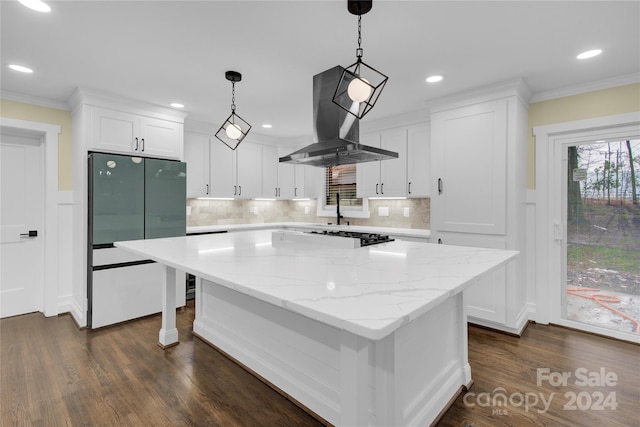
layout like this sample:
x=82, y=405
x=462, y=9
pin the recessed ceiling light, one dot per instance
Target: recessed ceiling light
x=37, y=5
x=434, y=79
x=20, y=68
x=267, y=126
x=589, y=54
x=177, y=105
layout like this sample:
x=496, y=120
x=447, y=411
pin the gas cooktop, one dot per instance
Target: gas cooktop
x=366, y=239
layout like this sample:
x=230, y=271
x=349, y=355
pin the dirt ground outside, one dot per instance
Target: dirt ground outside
x=603, y=253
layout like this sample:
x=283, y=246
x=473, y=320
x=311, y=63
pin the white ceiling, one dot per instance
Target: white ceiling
x=177, y=51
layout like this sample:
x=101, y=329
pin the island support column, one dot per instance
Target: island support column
x=168, y=336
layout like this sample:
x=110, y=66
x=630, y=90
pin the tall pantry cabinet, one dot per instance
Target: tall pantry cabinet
x=478, y=188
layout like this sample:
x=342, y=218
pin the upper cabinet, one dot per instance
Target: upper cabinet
x=247, y=169
x=406, y=176
x=285, y=180
x=197, y=157
x=278, y=179
x=418, y=161
x=128, y=133
x=470, y=166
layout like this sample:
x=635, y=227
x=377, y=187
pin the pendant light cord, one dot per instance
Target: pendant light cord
x=359, y=49
x=233, y=97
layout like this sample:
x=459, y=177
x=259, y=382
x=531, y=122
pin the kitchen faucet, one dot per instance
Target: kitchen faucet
x=338, y=216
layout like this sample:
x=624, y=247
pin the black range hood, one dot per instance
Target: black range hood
x=336, y=131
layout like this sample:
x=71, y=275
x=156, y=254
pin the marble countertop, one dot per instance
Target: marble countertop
x=400, y=232
x=369, y=291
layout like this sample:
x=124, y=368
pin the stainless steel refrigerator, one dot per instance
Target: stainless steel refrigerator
x=130, y=198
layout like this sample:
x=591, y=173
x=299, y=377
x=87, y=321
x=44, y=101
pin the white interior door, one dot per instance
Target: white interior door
x=21, y=255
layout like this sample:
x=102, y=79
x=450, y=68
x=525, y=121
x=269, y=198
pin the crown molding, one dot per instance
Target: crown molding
x=84, y=96
x=585, y=88
x=514, y=87
x=32, y=100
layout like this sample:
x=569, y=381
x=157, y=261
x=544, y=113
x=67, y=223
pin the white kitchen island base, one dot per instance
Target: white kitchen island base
x=406, y=378
x=374, y=335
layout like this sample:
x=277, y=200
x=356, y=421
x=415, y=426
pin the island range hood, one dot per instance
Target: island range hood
x=337, y=132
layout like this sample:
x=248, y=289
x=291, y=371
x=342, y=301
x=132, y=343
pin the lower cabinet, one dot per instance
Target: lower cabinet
x=120, y=293
x=497, y=300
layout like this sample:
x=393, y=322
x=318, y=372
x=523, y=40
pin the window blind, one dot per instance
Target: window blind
x=341, y=180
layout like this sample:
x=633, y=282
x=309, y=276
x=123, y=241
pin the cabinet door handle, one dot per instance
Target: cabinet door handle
x=207, y=193
x=295, y=192
x=235, y=190
x=409, y=189
x=439, y=241
x=239, y=190
x=136, y=149
x=439, y=185
x=377, y=189
x=142, y=144
x=276, y=191
x=382, y=188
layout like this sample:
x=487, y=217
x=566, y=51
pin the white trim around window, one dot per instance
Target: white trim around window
x=346, y=211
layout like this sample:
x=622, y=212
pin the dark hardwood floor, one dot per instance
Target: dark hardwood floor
x=54, y=374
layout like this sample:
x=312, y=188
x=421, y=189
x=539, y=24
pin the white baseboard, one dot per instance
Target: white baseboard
x=78, y=314
x=64, y=304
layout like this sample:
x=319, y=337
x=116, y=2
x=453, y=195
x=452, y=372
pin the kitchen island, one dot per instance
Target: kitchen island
x=374, y=335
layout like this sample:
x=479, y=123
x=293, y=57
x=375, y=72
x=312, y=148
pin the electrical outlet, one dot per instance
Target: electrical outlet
x=188, y=210
x=406, y=212
x=383, y=211
x=255, y=210
x=306, y=209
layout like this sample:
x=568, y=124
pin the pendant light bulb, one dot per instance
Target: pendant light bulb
x=359, y=90
x=233, y=131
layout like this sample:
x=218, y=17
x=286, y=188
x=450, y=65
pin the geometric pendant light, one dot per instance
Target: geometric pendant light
x=360, y=85
x=234, y=129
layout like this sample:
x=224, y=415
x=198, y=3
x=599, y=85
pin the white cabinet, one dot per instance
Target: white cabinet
x=469, y=153
x=123, y=132
x=284, y=180
x=393, y=173
x=222, y=170
x=278, y=179
x=251, y=171
x=477, y=197
x=418, y=161
x=292, y=179
x=235, y=174
x=406, y=176
x=248, y=171
x=287, y=174
x=487, y=298
x=270, y=169
x=197, y=157
x=211, y=167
